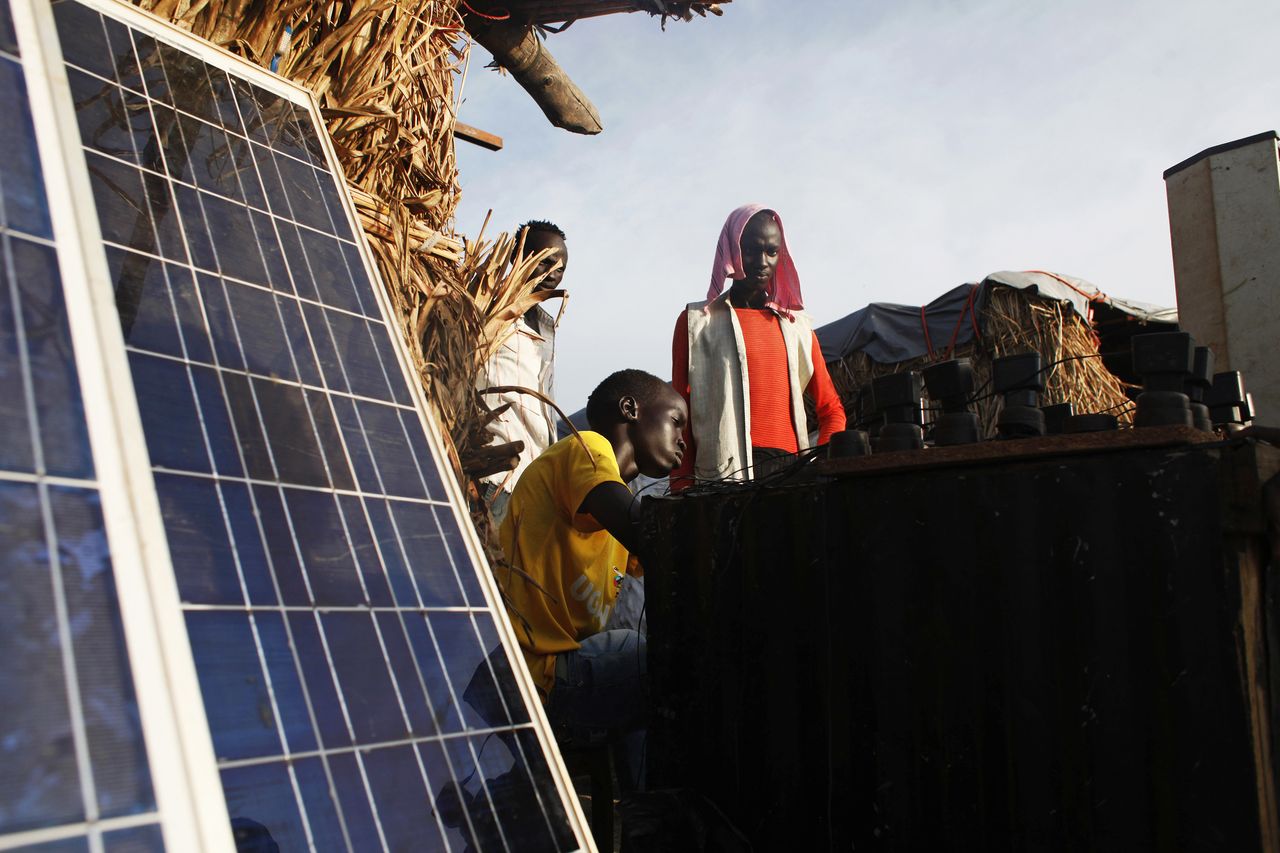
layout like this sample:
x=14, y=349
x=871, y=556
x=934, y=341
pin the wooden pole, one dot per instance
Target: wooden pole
x=518, y=49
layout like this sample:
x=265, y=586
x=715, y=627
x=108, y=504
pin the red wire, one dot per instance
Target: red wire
x=1090, y=298
x=1099, y=296
x=924, y=324
x=504, y=17
x=955, y=334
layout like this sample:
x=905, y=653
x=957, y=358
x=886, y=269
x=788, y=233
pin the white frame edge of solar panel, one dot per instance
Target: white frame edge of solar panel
x=189, y=799
x=457, y=499
x=197, y=808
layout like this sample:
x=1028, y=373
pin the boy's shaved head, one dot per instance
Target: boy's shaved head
x=644, y=419
x=602, y=405
x=543, y=225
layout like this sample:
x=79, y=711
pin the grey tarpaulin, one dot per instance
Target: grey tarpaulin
x=891, y=333
x=579, y=420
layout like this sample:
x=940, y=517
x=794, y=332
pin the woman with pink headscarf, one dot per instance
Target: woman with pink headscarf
x=745, y=360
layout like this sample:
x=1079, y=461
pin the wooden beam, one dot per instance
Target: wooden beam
x=518, y=49
x=476, y=136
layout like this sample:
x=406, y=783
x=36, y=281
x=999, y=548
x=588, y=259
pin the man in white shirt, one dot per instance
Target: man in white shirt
x=526, y=360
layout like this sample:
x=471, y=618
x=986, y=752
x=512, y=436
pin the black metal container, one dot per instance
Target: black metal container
x=1064, y=649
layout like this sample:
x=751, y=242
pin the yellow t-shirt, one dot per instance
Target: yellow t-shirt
x=577, y=562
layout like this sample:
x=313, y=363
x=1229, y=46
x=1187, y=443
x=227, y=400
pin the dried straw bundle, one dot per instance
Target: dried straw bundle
x=1014, y=321
x=455, y=328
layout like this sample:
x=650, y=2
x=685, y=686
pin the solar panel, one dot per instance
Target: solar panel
x=75, y=765
x=354, y=664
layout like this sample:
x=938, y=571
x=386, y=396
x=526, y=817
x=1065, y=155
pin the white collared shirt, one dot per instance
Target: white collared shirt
x=525, y=359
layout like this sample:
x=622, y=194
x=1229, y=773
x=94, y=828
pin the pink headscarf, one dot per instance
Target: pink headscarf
x=784, y=290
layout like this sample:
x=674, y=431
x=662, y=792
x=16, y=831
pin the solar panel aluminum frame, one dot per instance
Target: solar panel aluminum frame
x=176, y=731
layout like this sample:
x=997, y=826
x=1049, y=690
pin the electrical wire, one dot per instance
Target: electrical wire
x=1032, y=375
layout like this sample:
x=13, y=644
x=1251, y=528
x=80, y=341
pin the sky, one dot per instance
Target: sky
x=908, y=145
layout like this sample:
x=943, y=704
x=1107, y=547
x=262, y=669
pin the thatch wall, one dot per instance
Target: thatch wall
x=1013, y=321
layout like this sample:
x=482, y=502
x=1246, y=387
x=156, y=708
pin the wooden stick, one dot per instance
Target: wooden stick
x=518, y=49
x=476, y=136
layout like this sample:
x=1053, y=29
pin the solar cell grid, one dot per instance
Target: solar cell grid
x=357, y=691
x=75, y=766
x=137, y=839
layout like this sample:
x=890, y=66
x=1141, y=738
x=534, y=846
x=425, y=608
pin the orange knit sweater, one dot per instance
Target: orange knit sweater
x=770, y=387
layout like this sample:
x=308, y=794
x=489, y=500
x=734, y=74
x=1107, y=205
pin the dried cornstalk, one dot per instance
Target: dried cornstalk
x=461, y=326
x=381, y=221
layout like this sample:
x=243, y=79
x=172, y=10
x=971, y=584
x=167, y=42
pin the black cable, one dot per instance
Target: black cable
x=731, y=482
x=1124, y=403
x=1032, y=375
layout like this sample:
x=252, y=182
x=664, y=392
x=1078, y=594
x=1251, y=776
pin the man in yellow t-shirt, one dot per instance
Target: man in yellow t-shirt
x=570, y=529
